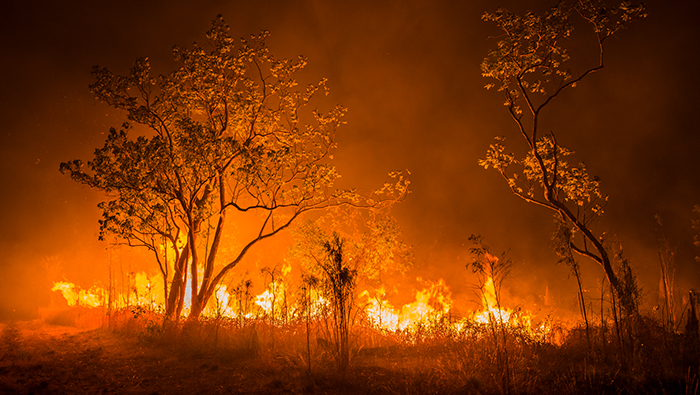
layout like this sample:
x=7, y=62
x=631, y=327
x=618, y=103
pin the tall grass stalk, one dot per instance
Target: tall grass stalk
x=487, y=265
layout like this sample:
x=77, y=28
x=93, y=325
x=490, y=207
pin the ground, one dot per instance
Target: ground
x=44, y=359
x=135, y=353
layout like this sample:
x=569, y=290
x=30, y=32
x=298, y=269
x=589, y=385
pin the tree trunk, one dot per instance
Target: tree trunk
x=201, y=298
x=602, y=258
x=172, y=309
x=582, y=305
x=195, y=309
x=183, y=291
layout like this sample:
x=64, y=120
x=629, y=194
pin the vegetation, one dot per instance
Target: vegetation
x=529, y=66
x=226, y=139
x=339, y=282
x=317, y=336
x=324, y=340
x=337, y=262
x=492, y=271
x=137, y=354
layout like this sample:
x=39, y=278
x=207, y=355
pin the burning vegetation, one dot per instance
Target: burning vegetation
x=281, y=304
x=335, y=332
x=232, y=156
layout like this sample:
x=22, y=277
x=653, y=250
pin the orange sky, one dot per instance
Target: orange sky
x=408, y=71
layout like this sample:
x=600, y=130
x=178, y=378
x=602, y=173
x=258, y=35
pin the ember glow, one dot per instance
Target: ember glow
x=431, y=304
x=279, y=304
x=74, y=296
x=492, y=311
x=166, y=197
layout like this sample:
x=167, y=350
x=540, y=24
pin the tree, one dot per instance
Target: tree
x=667, y=264
x=374, y=240
x=561, y=243
x=529, y=67
x=226, y=137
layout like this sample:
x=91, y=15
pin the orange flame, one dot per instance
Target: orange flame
x=431, y=305
x=492, y=312
x=380, y=312
x=79, y=297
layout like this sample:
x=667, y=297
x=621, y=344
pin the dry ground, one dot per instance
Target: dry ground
x=43, y=359
x=140, y=356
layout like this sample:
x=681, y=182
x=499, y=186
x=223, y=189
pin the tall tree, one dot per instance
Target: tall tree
x=228, y=136
x=529, y=66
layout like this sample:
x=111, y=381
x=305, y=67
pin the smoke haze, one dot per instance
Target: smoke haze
x=408, y=72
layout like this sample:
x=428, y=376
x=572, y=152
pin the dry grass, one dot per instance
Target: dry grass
x=137, y=354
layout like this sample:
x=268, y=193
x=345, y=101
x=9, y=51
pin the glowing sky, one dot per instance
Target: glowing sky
x=408, y=71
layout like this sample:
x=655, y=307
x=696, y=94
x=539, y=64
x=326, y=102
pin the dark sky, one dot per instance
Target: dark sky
x=408, y=71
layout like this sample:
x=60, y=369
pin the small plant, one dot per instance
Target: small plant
x=338, y=284
x=492, y=270
x=308, y=284
x=667, y=263
x=561, y=241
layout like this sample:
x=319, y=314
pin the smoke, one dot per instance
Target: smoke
x=408, y=71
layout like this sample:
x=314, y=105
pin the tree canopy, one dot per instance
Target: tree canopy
x=529, y=66
x=228, y=134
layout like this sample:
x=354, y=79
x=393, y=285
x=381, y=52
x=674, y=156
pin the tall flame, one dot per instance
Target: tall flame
x=432, y=304
x=492, y=312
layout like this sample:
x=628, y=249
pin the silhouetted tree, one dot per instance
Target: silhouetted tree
x=339, y=281
x=696, y=226
x=667, y=264
x=561, y=242
x=224, y=138
x=529, y=67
